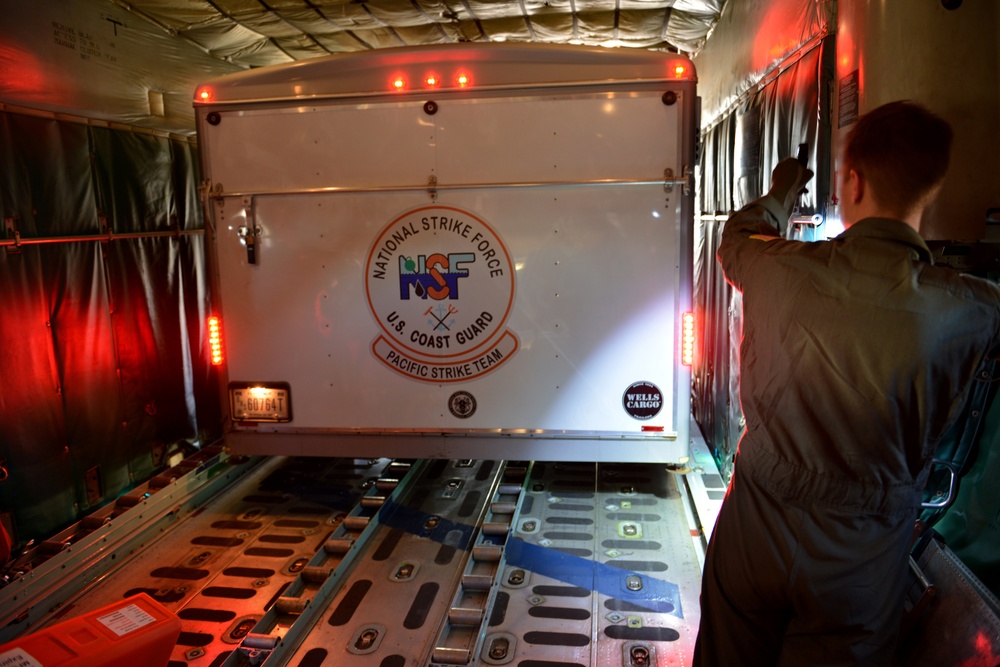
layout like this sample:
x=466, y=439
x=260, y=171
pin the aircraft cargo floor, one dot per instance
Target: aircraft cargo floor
x=316, y=562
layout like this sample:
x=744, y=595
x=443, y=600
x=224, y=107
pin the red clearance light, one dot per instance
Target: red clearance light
x=204, y=95
x=687, y=339
x=432, y=80
x=462, y=80
x=215, y=340
x=399, y=83
x=679, y=70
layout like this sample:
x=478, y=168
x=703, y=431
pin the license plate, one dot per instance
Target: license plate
x=261, y=402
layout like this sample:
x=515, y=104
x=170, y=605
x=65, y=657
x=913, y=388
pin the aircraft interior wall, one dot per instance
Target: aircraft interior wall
x=104, y=373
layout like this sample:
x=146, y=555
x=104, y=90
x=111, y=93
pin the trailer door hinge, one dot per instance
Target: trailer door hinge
x=250, y=233
x=204, y=191
x=669, y=181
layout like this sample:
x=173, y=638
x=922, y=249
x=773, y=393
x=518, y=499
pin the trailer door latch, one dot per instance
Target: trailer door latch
x=249, y=237
x=669, y=181
x=250, y=233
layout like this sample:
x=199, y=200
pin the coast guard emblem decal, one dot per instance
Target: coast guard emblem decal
x=440, y=285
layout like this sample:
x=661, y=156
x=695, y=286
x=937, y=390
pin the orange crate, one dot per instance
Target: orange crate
x=135, y=631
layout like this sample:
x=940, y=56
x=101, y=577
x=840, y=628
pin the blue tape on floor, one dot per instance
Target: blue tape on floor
x=656, y=595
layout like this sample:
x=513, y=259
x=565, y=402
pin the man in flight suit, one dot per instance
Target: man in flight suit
x=856, y=354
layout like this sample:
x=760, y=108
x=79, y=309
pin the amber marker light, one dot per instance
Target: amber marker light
x=215, y=340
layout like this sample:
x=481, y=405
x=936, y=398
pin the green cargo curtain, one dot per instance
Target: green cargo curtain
x=103, y=365
x=738, y=153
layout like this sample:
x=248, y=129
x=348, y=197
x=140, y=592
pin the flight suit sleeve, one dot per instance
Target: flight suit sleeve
x=747, y=234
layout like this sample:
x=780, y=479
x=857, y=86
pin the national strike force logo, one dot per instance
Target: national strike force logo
x=440, y=285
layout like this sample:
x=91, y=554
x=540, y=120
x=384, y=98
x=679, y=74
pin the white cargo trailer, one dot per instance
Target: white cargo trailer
x=481, y=251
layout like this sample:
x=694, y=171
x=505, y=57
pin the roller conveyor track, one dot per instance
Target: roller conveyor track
x=340, y=562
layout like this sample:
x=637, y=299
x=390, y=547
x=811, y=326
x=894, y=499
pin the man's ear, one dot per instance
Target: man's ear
x=856, y=184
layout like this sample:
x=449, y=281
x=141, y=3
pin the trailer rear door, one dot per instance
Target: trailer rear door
x=495, y=261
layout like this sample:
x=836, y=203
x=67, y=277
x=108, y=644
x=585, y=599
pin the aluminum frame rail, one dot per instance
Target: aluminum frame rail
x=463, y=632
x=293, y=614
x=47, y=576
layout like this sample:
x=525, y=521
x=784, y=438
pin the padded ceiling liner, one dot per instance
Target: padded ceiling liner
x=253, y=33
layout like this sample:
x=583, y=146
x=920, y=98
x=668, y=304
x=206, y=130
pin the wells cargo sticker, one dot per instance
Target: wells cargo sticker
x=642, y=400
x=440, y=284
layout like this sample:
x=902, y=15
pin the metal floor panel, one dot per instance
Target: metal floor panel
x=396, y=598
x=611, y=576
x=598, y=568
x=225, y=566
x=436, y=562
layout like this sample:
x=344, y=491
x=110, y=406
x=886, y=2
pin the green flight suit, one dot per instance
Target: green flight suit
x=856, y=354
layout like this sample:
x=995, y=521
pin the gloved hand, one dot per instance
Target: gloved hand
x=787, y=181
